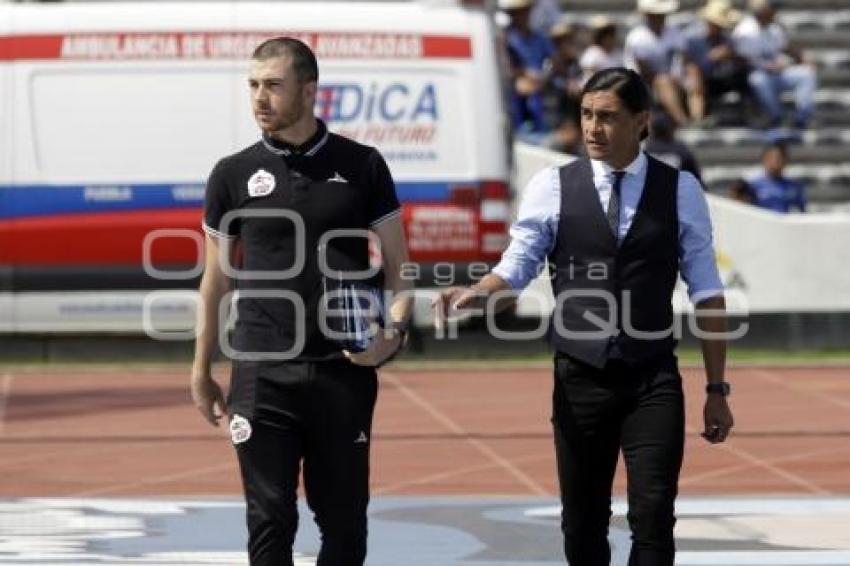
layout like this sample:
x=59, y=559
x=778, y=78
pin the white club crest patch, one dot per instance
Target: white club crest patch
x=261, y=183
x=240, y=429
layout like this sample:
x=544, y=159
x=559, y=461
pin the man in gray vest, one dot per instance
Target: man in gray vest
x=617, y=229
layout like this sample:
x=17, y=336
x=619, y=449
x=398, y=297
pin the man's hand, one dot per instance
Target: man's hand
x=381, y=348
x=206, y=394
x=528, y=83
x=718, y=418
x=776, y=66
x=453, y=299
x=721, y=53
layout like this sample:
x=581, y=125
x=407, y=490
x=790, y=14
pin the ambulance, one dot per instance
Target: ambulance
x=113, y=115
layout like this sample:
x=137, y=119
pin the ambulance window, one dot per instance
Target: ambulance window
x=110, y=124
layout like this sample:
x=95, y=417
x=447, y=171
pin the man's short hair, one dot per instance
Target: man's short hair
x=780, y=145
x=662, y=127
x=600, y=33
x=626, y=84
x=303, y=60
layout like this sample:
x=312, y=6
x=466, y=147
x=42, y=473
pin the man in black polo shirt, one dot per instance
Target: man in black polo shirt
x=297, y=394
x=617, y=229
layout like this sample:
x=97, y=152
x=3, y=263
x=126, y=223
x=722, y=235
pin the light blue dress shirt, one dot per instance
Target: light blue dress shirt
x=535, y=231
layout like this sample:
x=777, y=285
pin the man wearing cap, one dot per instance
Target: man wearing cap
x=712, y=66
x=651, y=48
x=776, y=66
x=528, y=52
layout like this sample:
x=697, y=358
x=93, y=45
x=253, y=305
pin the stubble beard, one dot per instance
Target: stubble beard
x=289, y=119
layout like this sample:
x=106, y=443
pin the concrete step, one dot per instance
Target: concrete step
x=832, y=107
x=629, y=5
x=832, y=116
x=833, y=59
x=747, y=137
x=821, y=39
x=834, y=78
x=824, y=182
x=747, y=155
x=819, y=198
x=796, y=22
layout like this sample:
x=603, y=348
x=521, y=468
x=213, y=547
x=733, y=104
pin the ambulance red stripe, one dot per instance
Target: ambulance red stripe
x=100, y=46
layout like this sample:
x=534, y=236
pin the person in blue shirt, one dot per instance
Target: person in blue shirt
x=528, y=52
x=770, y=189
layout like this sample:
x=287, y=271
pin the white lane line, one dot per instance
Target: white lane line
x=115, y=488
x=730, y=507
x=687, y=480
x=762, y=558
x=452, y=426
x=434, y=478
x=759, y=462
x=767, y=376
x=5, y=391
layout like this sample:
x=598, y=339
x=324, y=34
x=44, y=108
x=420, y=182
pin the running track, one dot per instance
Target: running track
x=109, y=431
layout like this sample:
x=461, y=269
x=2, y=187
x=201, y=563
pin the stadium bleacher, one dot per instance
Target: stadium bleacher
x=821, y=155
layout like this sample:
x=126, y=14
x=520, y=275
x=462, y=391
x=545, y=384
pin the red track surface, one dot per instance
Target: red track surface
x=130, y=432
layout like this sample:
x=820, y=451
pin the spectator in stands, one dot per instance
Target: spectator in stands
x=563, y=77
x=712, y=66
x=528, y=52
x=739, y=190
x=663, y=145
x=604, y=51
x=776, y=66
x=771, y=189
x=650, y=50
x=544, y=15
x=566, y=138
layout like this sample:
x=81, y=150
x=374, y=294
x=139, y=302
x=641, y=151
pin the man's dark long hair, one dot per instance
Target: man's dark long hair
x=627, y=85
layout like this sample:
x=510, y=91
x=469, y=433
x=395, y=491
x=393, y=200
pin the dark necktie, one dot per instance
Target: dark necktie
x=614, y=204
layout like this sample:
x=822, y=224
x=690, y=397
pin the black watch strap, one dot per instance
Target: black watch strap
x=721, y=388
x=401, y=327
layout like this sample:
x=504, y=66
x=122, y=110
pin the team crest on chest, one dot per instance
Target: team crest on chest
x=261, y=183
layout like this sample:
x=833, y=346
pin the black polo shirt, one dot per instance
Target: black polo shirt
x=331, y=183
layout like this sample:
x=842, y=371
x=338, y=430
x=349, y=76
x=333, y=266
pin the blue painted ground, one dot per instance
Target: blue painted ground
x=407, y=531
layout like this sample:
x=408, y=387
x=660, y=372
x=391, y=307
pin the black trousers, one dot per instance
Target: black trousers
x=319, y=414
x=596, y=413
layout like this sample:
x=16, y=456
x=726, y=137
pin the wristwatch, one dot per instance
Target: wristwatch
x=720, y=388
x=402, y=329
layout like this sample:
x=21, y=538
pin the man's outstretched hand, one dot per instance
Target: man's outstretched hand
x=454, y=299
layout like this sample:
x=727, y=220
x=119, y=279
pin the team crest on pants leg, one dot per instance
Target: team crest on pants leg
x=240, y=429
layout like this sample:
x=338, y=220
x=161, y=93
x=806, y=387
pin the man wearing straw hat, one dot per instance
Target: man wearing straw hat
x=651, y=50
x=712, y=66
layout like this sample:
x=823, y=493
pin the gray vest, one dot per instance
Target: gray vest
x=629, y=286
